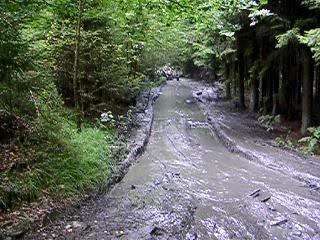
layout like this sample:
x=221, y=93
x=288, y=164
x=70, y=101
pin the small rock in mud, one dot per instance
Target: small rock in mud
x=156, y=231
x=297, y=234
x=255, y=192
x=76, y=224
x=266, y=199
x=192, y=236
x=316, y=237
x=119, y=233
x=278, y=222
x=272, y=209
x=68, y=226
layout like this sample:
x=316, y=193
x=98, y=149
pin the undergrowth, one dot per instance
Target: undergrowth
x=58, y=161
x=309, y=145
x=81, y=162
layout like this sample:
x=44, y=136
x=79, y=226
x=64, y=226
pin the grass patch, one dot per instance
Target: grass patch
x=64, y=166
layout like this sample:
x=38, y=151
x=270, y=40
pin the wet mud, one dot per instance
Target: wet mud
x=189, y=184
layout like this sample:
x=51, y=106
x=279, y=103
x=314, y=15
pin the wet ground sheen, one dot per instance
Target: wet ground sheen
x=187, y=185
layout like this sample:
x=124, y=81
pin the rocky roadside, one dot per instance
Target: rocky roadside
x=17, y=224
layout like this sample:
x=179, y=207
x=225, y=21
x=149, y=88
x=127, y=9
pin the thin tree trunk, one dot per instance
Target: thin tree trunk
x=234, y=78
x=292, y=82
x=307, y=91
x=299, y=87
x=269, y=97
x=283, y=82
x=76, y=66
x=317, y=82
x=254, y=94
x=228, y=90
x=254, y=101
x=227, y=81
x=275, y=108
x=241, y=77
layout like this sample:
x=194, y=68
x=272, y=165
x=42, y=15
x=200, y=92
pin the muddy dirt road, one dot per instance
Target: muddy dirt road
x=187, y=185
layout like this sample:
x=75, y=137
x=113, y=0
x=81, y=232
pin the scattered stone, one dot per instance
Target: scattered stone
x=76, y=224
x=68, y=226
x=255, y=192
x=192, y=236
x=133, y=187
x=266, y=199
x=272, y=209
x=119, y=233
x=188, y=101
x=256, y=195
x=156, y=231
x=297, y=233
x=278, y=222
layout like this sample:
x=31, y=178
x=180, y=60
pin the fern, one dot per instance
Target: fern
x=312, y=39
x=312, y=4
x=291, y=37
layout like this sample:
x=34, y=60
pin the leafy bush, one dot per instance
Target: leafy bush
x=59, y=161
x=313, y=141
x=80, y=162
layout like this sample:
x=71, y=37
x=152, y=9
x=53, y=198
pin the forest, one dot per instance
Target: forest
x=67, y=64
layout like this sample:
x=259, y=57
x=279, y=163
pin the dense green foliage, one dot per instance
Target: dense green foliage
x=62, y=64
x=65, y=62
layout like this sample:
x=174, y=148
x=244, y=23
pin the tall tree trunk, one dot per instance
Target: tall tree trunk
x=283, y=83
x=269, y=95
x=76, y=81
x=241, y=76
x=292, y=82
x=317, y=82
x=275, y=108
x=307, y=91
x=254, y=106
x=234, y=79
x=227, y=81
x=298, y=95
x=254, y=101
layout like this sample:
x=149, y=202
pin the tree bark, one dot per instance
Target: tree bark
x=254, y=107
x=241, y=76
x=234, y=78
x=76, y=82
x=228, y=81
x=275, y=107
x=292, y=82
x=307, y=91
x=317, y=82
x=283, y=82
x=254, y=101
